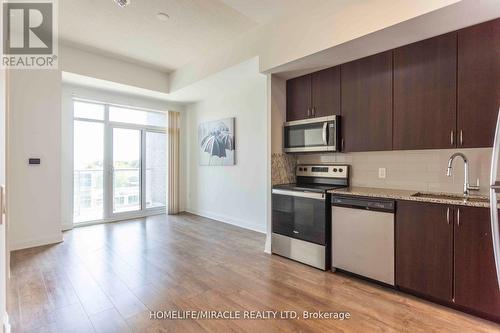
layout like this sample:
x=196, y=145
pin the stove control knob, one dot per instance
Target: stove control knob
x=334, y=169
x=341, y=170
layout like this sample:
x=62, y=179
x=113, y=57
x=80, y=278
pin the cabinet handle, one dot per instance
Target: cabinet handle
x=309, y=112
x=313, y=112
x=452, y=137
x=461, y=138
x=448, y=215
x=342, y=144
x=458, y=217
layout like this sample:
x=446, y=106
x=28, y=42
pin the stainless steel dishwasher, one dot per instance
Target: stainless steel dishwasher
x=363, y=237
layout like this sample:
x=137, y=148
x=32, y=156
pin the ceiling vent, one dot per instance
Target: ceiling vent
x=122, y=3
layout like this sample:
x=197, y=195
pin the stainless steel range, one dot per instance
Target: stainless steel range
x=301, y=219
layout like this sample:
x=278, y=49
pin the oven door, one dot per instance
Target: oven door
x=311, y=135
x=300, y=215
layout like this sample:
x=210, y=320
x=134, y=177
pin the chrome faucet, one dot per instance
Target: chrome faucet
x=467, y=187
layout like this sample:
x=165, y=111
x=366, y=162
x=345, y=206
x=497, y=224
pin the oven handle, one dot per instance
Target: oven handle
x=309, y=195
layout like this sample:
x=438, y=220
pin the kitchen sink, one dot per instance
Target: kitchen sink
x=443, y=196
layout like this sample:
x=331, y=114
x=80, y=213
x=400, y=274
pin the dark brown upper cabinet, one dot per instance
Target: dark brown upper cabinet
x=425, y=94
x=478, y=84
x=313, y=95
x=367, y=103
x=298, y=98
x=326, y=92
x=475, y=273
x=424, y=249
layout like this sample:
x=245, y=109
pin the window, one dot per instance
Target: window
x=86, y=201
x=86, y=180
x=138, y=117
x=88, y=170
x=156, y=175
x=88, y=110
x=133, y=178
x=133, y=199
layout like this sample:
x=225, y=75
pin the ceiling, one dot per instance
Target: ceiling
x=264, y=11
x=135, y=34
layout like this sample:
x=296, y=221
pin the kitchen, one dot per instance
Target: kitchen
x=381, y=168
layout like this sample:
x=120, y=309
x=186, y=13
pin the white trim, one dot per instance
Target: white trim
x=37, y=242
x=228, y=219
x=6, y=323
x=152, y=212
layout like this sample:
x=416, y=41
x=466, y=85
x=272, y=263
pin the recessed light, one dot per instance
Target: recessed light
x=162, y=16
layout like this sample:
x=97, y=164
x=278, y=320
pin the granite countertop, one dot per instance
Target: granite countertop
x=433, y=197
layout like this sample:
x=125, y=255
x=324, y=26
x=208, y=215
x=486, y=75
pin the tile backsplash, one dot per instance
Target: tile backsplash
x=421, y=170
x=283, y=168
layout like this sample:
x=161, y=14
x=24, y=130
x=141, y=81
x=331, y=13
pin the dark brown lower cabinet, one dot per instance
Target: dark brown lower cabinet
x=445, y=253
x=475, y=282
x=424, y=249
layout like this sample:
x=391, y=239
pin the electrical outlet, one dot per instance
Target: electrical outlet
x=381, y=173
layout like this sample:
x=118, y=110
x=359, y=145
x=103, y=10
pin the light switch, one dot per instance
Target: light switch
x=381, y=173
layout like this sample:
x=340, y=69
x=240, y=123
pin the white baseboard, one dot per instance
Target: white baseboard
x=36, y=242
x=6, y=323
x=228, y=219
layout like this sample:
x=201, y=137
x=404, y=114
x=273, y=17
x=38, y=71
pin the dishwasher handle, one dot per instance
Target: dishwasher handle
x=375, y=204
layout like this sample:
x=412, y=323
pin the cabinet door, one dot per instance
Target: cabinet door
x=298, y=98
x=326, y=92
x=367, y=103
x=475, y=273
x=478, y=84
x=425, y=94
x=424, y=249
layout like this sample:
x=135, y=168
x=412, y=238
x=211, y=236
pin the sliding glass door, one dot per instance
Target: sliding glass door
x=126, y=170
x=119, y=162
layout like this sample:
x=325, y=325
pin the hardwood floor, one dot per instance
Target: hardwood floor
x=107, y=278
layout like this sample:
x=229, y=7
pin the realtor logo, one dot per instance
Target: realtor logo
x=29, y=34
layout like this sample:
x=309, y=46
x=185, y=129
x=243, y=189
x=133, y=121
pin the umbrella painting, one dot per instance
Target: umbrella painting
x=216, y=142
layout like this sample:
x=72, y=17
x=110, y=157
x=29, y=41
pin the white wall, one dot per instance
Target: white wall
x=97, y=66
x=233, y=194
x=34, y=131
x=68, y=92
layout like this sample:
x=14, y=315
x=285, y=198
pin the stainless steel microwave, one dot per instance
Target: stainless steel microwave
x=312, y=135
